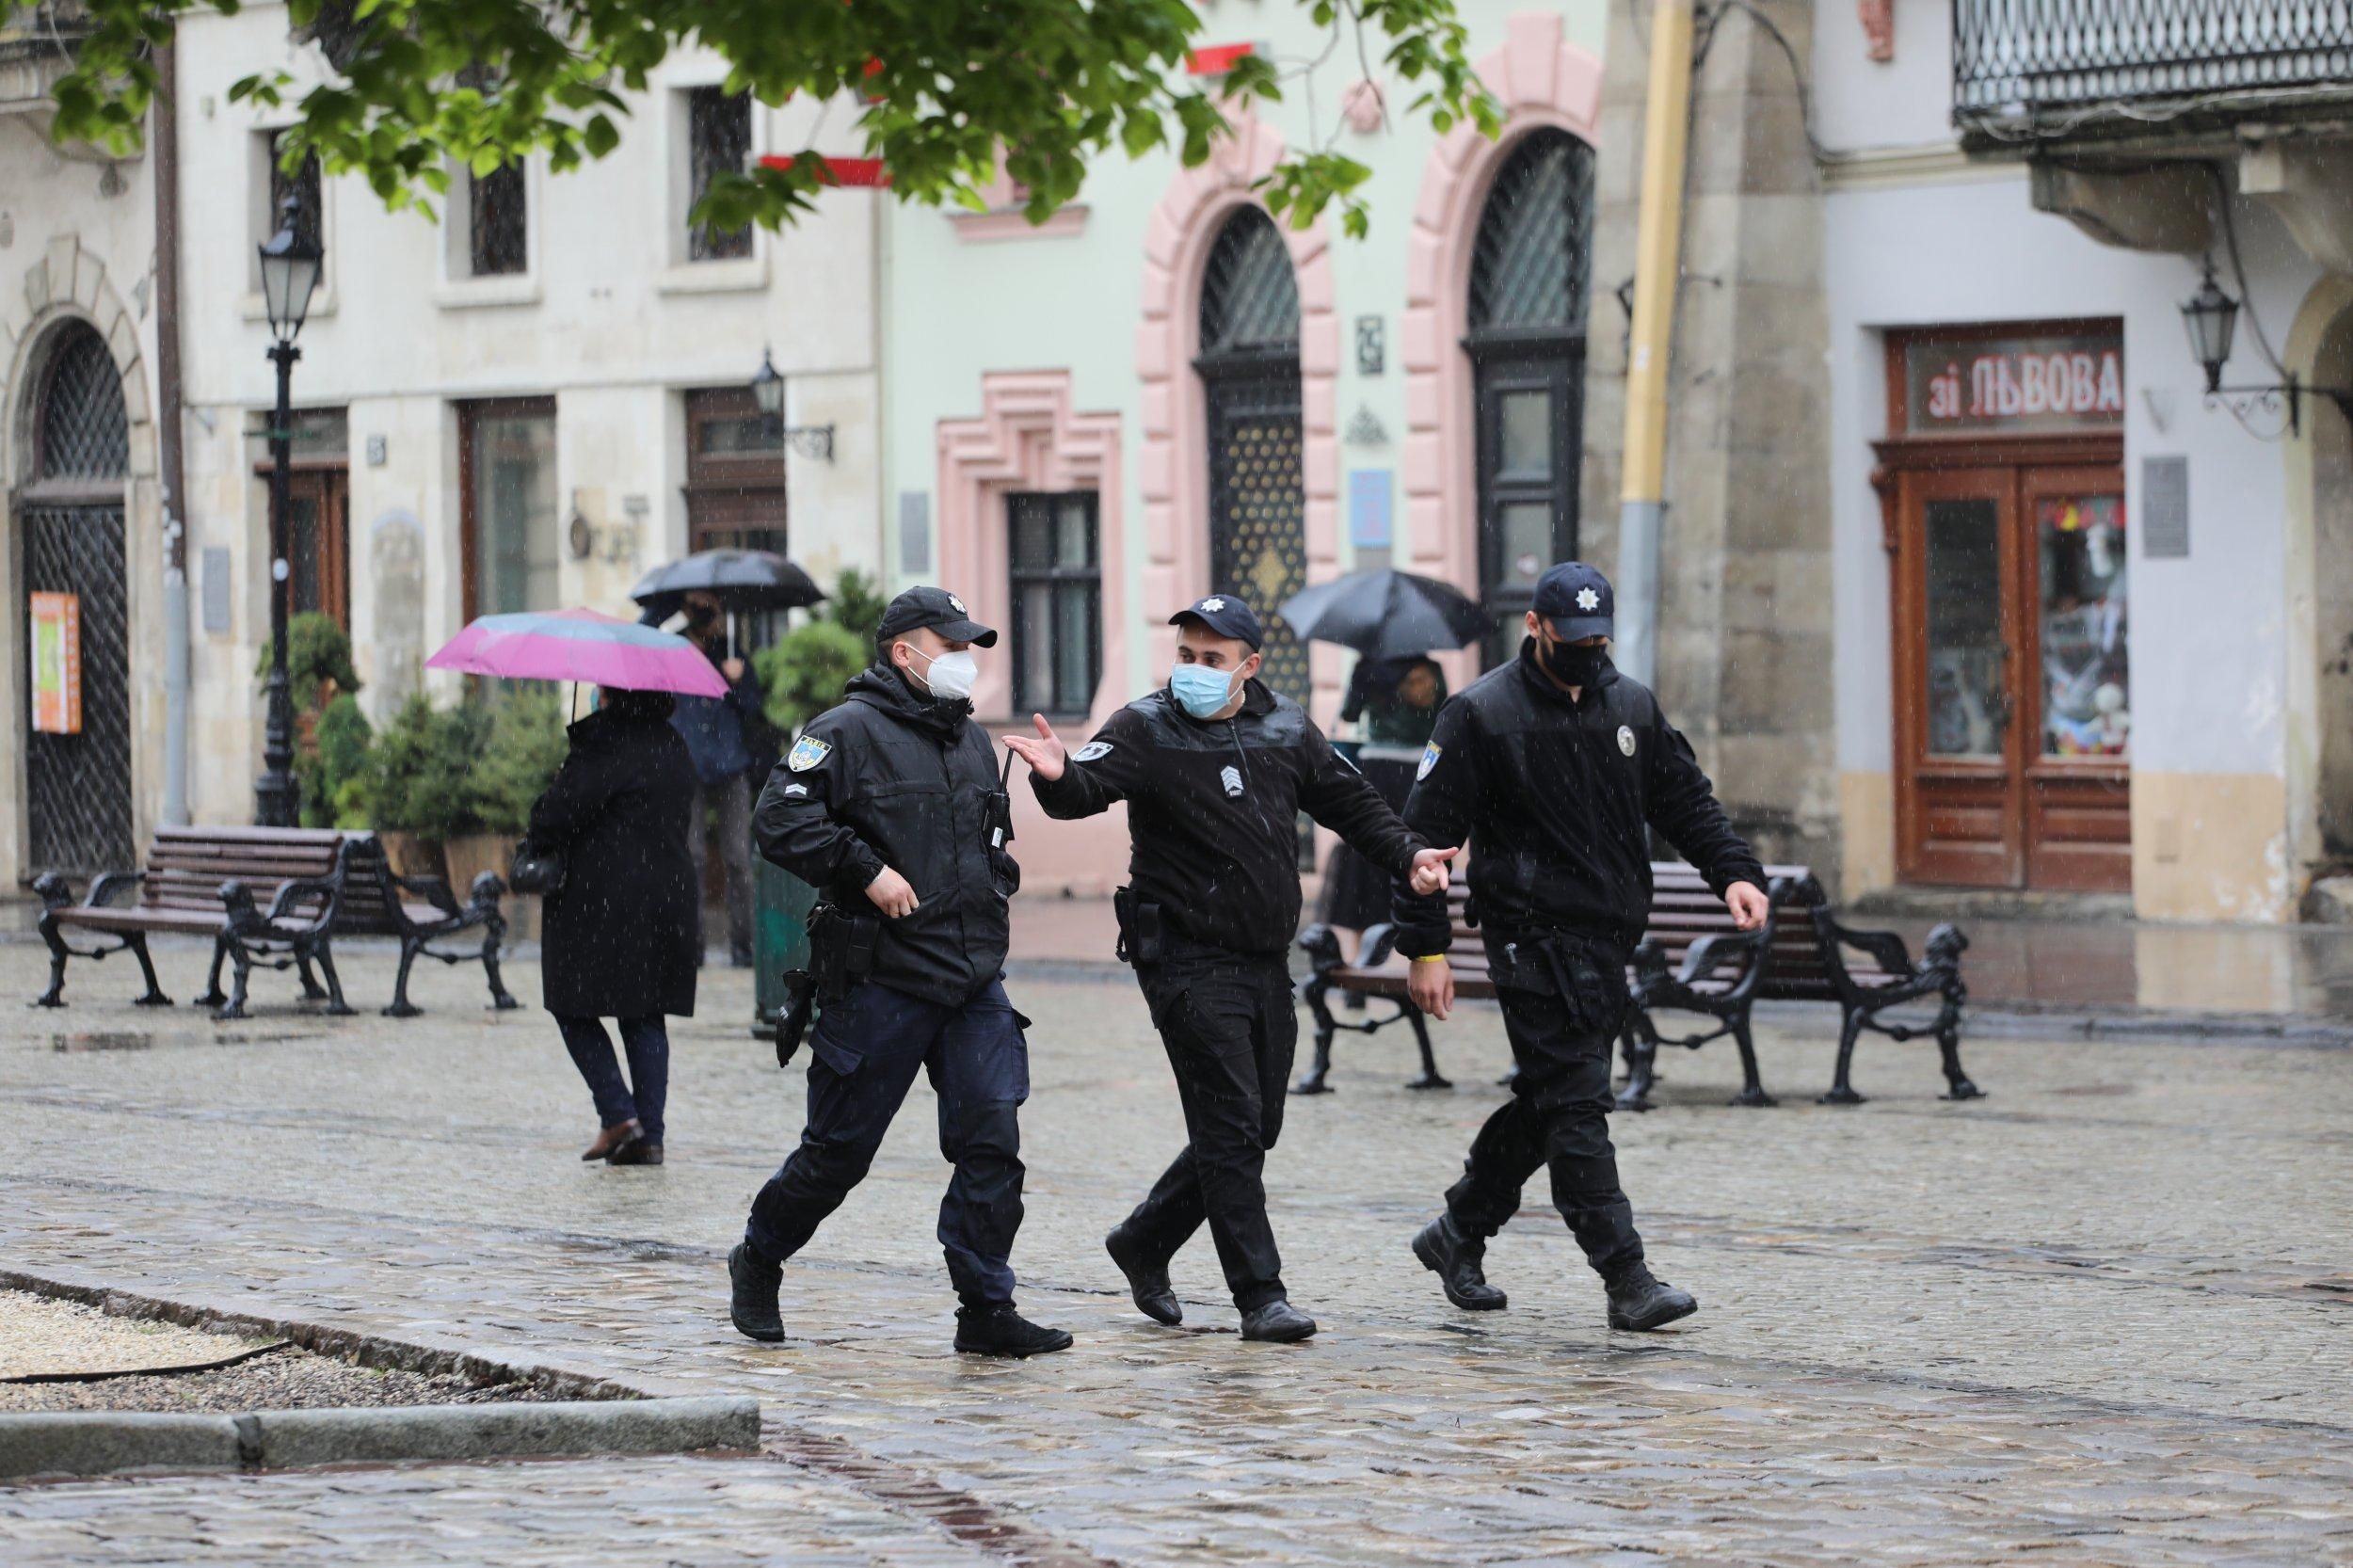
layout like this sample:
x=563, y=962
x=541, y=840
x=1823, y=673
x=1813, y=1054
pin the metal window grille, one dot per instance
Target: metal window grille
x=1057, y=601
x=2012, y=57
x=84, y=431
x=719, y=130
x=1531, y=256
x=501, y=222
x=1249, y=299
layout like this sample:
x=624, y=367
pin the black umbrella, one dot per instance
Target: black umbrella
x=742, y=580
x=1385, y=614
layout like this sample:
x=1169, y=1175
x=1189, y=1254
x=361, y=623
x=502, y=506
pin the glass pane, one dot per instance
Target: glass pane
x=1524, y=435
x=514, y=513
x=1527, y=543
x=1968, y=708
x=1033, y=534
x=1073, y=641
x=738, y=433
x=499, y=231
x=302, y=547
x=1037, y=645
x=2087, y=701
x=719, y=131
x=1074, y=531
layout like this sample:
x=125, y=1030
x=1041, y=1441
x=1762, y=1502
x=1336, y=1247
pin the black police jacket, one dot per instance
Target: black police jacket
x=892, y=778
x=1213, y=810
x=1554, y=796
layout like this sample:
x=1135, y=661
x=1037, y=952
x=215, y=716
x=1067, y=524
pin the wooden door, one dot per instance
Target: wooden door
x=318, y=541
x=2076, y=711
x=1960, y=754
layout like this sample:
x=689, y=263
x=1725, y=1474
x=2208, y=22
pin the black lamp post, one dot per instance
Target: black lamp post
x=290, y=270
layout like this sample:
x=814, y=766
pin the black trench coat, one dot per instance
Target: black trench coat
x=618, y=937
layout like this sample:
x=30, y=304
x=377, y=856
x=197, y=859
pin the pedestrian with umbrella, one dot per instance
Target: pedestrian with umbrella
x=1393, y=619
x=713, y=588
x=607, y=846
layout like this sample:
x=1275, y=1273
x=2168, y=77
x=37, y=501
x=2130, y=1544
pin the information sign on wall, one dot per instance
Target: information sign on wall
x=2035, y=383
x=57, y=622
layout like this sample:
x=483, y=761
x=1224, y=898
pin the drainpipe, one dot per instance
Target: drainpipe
x=166, y=134
x=1657, y=265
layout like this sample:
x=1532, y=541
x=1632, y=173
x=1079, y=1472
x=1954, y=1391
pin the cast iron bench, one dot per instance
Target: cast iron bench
x=422, y=910
x=1690, y=960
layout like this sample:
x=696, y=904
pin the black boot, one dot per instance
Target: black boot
x=1276, y=1322
x=752, y=1300
x=1147, y=1277
x=1638, y=1301
x=997, y=1329
x=1457, y=1260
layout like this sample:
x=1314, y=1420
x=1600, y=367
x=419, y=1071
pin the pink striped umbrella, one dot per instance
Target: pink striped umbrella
x=581, y=646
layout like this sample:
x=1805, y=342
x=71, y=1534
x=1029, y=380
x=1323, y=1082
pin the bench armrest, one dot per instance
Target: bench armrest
x=1378, y=945
x=1886, y=948
x=107, y=885
x=1710, y=953
x=431, y=889
x=53, y=891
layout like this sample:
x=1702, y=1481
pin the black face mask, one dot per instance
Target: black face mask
x=1574, y=666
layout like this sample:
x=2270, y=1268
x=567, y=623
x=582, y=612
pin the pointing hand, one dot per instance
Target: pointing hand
x=1045, y=754
x=1429, y=873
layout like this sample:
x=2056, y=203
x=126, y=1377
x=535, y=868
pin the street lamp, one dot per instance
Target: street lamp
x=290, y=270
x=809, y=441
x=2211, y=319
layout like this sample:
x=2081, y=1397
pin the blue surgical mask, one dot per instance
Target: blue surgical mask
x=1200, y=690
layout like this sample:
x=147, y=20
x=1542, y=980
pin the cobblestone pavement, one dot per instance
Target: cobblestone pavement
x=2104, y=1316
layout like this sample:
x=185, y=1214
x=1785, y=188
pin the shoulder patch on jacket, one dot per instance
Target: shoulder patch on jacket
x=1626, y=739
x=1094, y=751
x=1430, y=754
x=807, y=753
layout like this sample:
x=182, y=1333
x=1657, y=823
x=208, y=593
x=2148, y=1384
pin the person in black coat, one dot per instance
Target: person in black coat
x=619, y=936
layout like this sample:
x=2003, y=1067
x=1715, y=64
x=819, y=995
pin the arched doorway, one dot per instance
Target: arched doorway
x=1526, y=346
x=69, y=532
x=1249, y=368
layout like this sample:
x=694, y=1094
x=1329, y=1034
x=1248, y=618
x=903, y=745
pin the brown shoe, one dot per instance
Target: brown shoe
x=618, y=1136
x=639, y=1153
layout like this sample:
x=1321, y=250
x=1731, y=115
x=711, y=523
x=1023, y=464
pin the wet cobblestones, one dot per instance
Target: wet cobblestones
x=2089, y=1319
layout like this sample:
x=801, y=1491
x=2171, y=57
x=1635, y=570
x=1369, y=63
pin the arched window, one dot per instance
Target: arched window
x=1526, y=344
x=69, y=528
x=1249, y=367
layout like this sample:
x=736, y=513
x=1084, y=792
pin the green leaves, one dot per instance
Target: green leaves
x=1038, y=88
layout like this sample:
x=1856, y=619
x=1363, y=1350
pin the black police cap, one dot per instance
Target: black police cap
x=1224, y=614
x=1577, y=601
x=938, y=609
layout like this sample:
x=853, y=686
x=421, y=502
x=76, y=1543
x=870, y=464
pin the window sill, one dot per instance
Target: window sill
x=468, y=293
x=995, y=226
x=738, y=275
x=253, y=308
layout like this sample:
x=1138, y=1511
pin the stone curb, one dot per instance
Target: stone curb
x=94, y=1442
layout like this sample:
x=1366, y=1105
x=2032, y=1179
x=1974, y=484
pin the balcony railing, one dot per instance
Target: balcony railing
x=2029, y=61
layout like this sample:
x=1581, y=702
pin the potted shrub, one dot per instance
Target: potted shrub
x=319, y=676
x=415, y=790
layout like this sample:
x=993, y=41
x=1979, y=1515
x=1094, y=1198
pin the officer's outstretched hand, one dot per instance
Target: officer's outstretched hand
x=1748, y=903
x=1430, y=869
x=1431, y=984
x=1046, y=754
x=892, y=893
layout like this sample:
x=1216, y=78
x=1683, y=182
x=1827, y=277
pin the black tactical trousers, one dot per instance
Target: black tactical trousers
x=1557, y=1116
x=1229, y=1026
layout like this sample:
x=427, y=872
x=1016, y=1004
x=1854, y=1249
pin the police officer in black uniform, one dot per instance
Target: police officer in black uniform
x=1555, y=766
x=1215, y=769
x=892, y=807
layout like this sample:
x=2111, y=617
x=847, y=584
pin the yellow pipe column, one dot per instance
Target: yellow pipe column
x=1657, y=265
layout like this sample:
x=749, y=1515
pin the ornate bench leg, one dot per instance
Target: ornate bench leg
x=58, y=954
x=137, y=942
x=241, y=963
x=1949, y=1045
x=494, y=938
x=402, y=1007
x=1639, y=1042
x=311, y=991
x=212, y=996
x=1752, y=1086
x=1850, y=1030
x=1430, y=1077
x=336, y=1006
x=1312, y=1081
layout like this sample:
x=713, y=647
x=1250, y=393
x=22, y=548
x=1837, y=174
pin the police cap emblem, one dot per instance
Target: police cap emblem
x=807, y=753
x=957, y=605
x=1626, y=740
x=1588, y=599
x=1213, y=605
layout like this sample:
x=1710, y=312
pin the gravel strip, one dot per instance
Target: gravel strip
x=40, y=1335
x=288, y=1378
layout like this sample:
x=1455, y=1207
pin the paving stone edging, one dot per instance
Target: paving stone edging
x=600, y=1417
